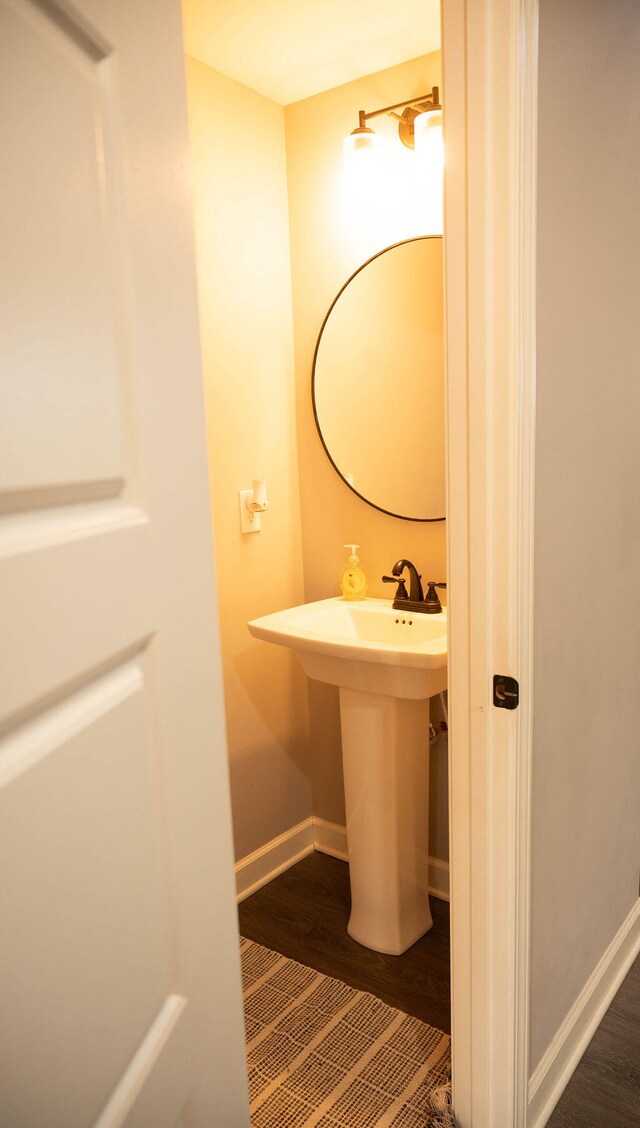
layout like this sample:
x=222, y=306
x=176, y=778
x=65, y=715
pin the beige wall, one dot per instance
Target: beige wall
x=324, y=252
x=586, y=781
x=242, y=241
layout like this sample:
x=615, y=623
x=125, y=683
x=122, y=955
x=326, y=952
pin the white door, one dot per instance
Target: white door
x=119, y=971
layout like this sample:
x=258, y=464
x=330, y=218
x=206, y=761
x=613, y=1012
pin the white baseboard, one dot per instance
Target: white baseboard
x=330, y=838
x=550, y=1078
x=273, y=858
x=281, y=853
x=439, y=878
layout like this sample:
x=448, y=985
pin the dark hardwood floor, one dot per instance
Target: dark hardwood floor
x=303, y=914
x=605, y=1088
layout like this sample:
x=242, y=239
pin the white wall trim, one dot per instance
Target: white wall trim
x=439, y=878
x=281, y=853
x=330, y=838
x=554, y=1071
x=490, y=78
x=255, y=870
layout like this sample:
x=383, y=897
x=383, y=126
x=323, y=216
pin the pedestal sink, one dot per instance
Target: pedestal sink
x=387, y=664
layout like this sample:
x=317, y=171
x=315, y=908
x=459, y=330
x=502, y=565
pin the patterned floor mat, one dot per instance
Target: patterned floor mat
x=323, y=1055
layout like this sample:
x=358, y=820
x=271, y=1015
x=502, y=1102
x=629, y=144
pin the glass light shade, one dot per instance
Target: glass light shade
x=369, y=195
x=361, y=152
x=429, y=149
x=428, y=135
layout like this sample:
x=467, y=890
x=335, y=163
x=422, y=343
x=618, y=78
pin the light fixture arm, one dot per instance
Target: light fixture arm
x=425, y=101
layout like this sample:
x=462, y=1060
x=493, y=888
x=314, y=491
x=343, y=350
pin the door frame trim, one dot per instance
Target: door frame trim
x=490, y=83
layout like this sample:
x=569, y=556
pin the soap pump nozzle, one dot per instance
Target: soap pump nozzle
x=354, y=558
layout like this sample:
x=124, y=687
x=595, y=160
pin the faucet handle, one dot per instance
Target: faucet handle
x=432, y=600
x=401, y=593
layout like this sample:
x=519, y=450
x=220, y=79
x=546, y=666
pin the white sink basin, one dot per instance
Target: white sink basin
x=366, y=646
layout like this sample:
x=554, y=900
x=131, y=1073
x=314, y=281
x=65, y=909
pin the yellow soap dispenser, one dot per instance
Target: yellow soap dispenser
x=353, y=582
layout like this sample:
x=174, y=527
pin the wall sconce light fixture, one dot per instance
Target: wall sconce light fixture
x=364, y=138
x=388, y=193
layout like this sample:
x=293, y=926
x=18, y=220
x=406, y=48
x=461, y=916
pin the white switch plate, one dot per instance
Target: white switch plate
x=249, y=522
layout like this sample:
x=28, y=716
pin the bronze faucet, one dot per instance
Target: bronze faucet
x=428, y=604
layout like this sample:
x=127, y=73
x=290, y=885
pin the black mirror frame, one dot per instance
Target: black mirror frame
x=389, y=512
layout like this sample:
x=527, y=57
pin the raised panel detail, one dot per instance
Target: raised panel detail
x=61, y=352
x=78, y=597
x=78, y=828
x=146, y=1094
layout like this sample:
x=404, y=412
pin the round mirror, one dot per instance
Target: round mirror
x=378, y=381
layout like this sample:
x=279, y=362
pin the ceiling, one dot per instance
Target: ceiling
x=291, y=49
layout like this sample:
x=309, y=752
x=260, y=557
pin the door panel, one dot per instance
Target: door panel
x=120, y=965
x=78, y=589
x=78, y=828
x=148, y=1096
x=60, y=321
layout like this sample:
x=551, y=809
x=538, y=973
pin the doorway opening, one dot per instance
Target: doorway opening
x=278, y=239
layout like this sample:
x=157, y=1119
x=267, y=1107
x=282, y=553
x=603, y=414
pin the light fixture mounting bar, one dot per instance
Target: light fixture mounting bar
x=432, y=99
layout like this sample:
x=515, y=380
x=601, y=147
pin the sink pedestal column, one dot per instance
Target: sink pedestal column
x=385, y=749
